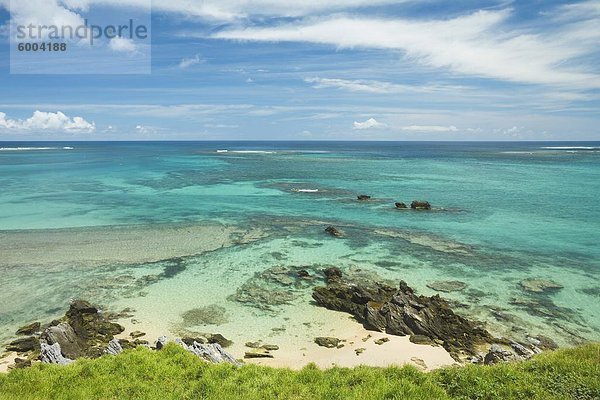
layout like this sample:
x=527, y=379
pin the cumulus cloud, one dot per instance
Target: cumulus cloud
x=47, y=121
x=429, y=128
x=188, y=62
x=371, y=123
x=122, y=45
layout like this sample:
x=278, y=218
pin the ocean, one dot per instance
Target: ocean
x=203, y=236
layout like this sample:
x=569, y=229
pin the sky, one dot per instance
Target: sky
x=320, y=70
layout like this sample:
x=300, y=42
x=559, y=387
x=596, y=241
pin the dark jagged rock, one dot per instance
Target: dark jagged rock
x=23, y=345
x=30, y=329
x=401, y=206
x=363, y=197
x=326, y=341
x=420, y=205
x=303, y=274
x=82, y=332
x=421, y=339
x=219, y=339
x=333, y=274
x=270, y=347
x=258, y=353
x=497, y=354
x=333, y=231
x=137, y=334
x=399, y=311
x=22, y=363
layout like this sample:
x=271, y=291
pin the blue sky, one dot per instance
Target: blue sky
x=326, y=70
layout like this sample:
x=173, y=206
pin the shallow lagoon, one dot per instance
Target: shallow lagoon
x=197, y=226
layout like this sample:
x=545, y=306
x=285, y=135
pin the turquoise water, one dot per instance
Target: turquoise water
x=503, y=212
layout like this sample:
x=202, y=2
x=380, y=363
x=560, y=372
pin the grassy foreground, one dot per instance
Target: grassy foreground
x=172, y=373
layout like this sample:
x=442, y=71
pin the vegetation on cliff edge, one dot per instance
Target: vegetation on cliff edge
x=173, y=373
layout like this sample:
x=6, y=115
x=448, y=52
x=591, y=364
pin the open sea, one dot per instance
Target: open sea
x=205, y=231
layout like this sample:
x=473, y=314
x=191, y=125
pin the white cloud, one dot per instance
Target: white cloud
x=42, y=12
x=48, y=121
x=372, y=86
x=122, y=45
x=144, y=129
x=221, y=126
x=188, y=62
x=221, y=10
x=429, y=128
x=478, y=44
x=371, y=123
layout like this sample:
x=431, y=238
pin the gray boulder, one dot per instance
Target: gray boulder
x=114, y=347
x=51, y=354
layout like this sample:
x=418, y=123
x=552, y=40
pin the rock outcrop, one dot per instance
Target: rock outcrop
x=23, y=345
x=211, y=352
x=420, y=205
x=327, y=341
x=399, y=311
x=30, y=329
x=52, y=354
x=401, y=206
x=363, y=197
x=83, y=332
x=333, y=231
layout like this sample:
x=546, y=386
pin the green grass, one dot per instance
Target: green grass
x=172, y=373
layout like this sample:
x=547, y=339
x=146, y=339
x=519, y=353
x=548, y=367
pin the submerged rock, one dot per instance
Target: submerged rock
x=420, y=205
x=333, y=274
x=327, y=341
x=213, y=314
x=30, y=329
x=276, y=286
x=540, y=285
x=333, y=231
x=363, y=197
x=401, y=206
x=399, y=311
x=447, y=286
